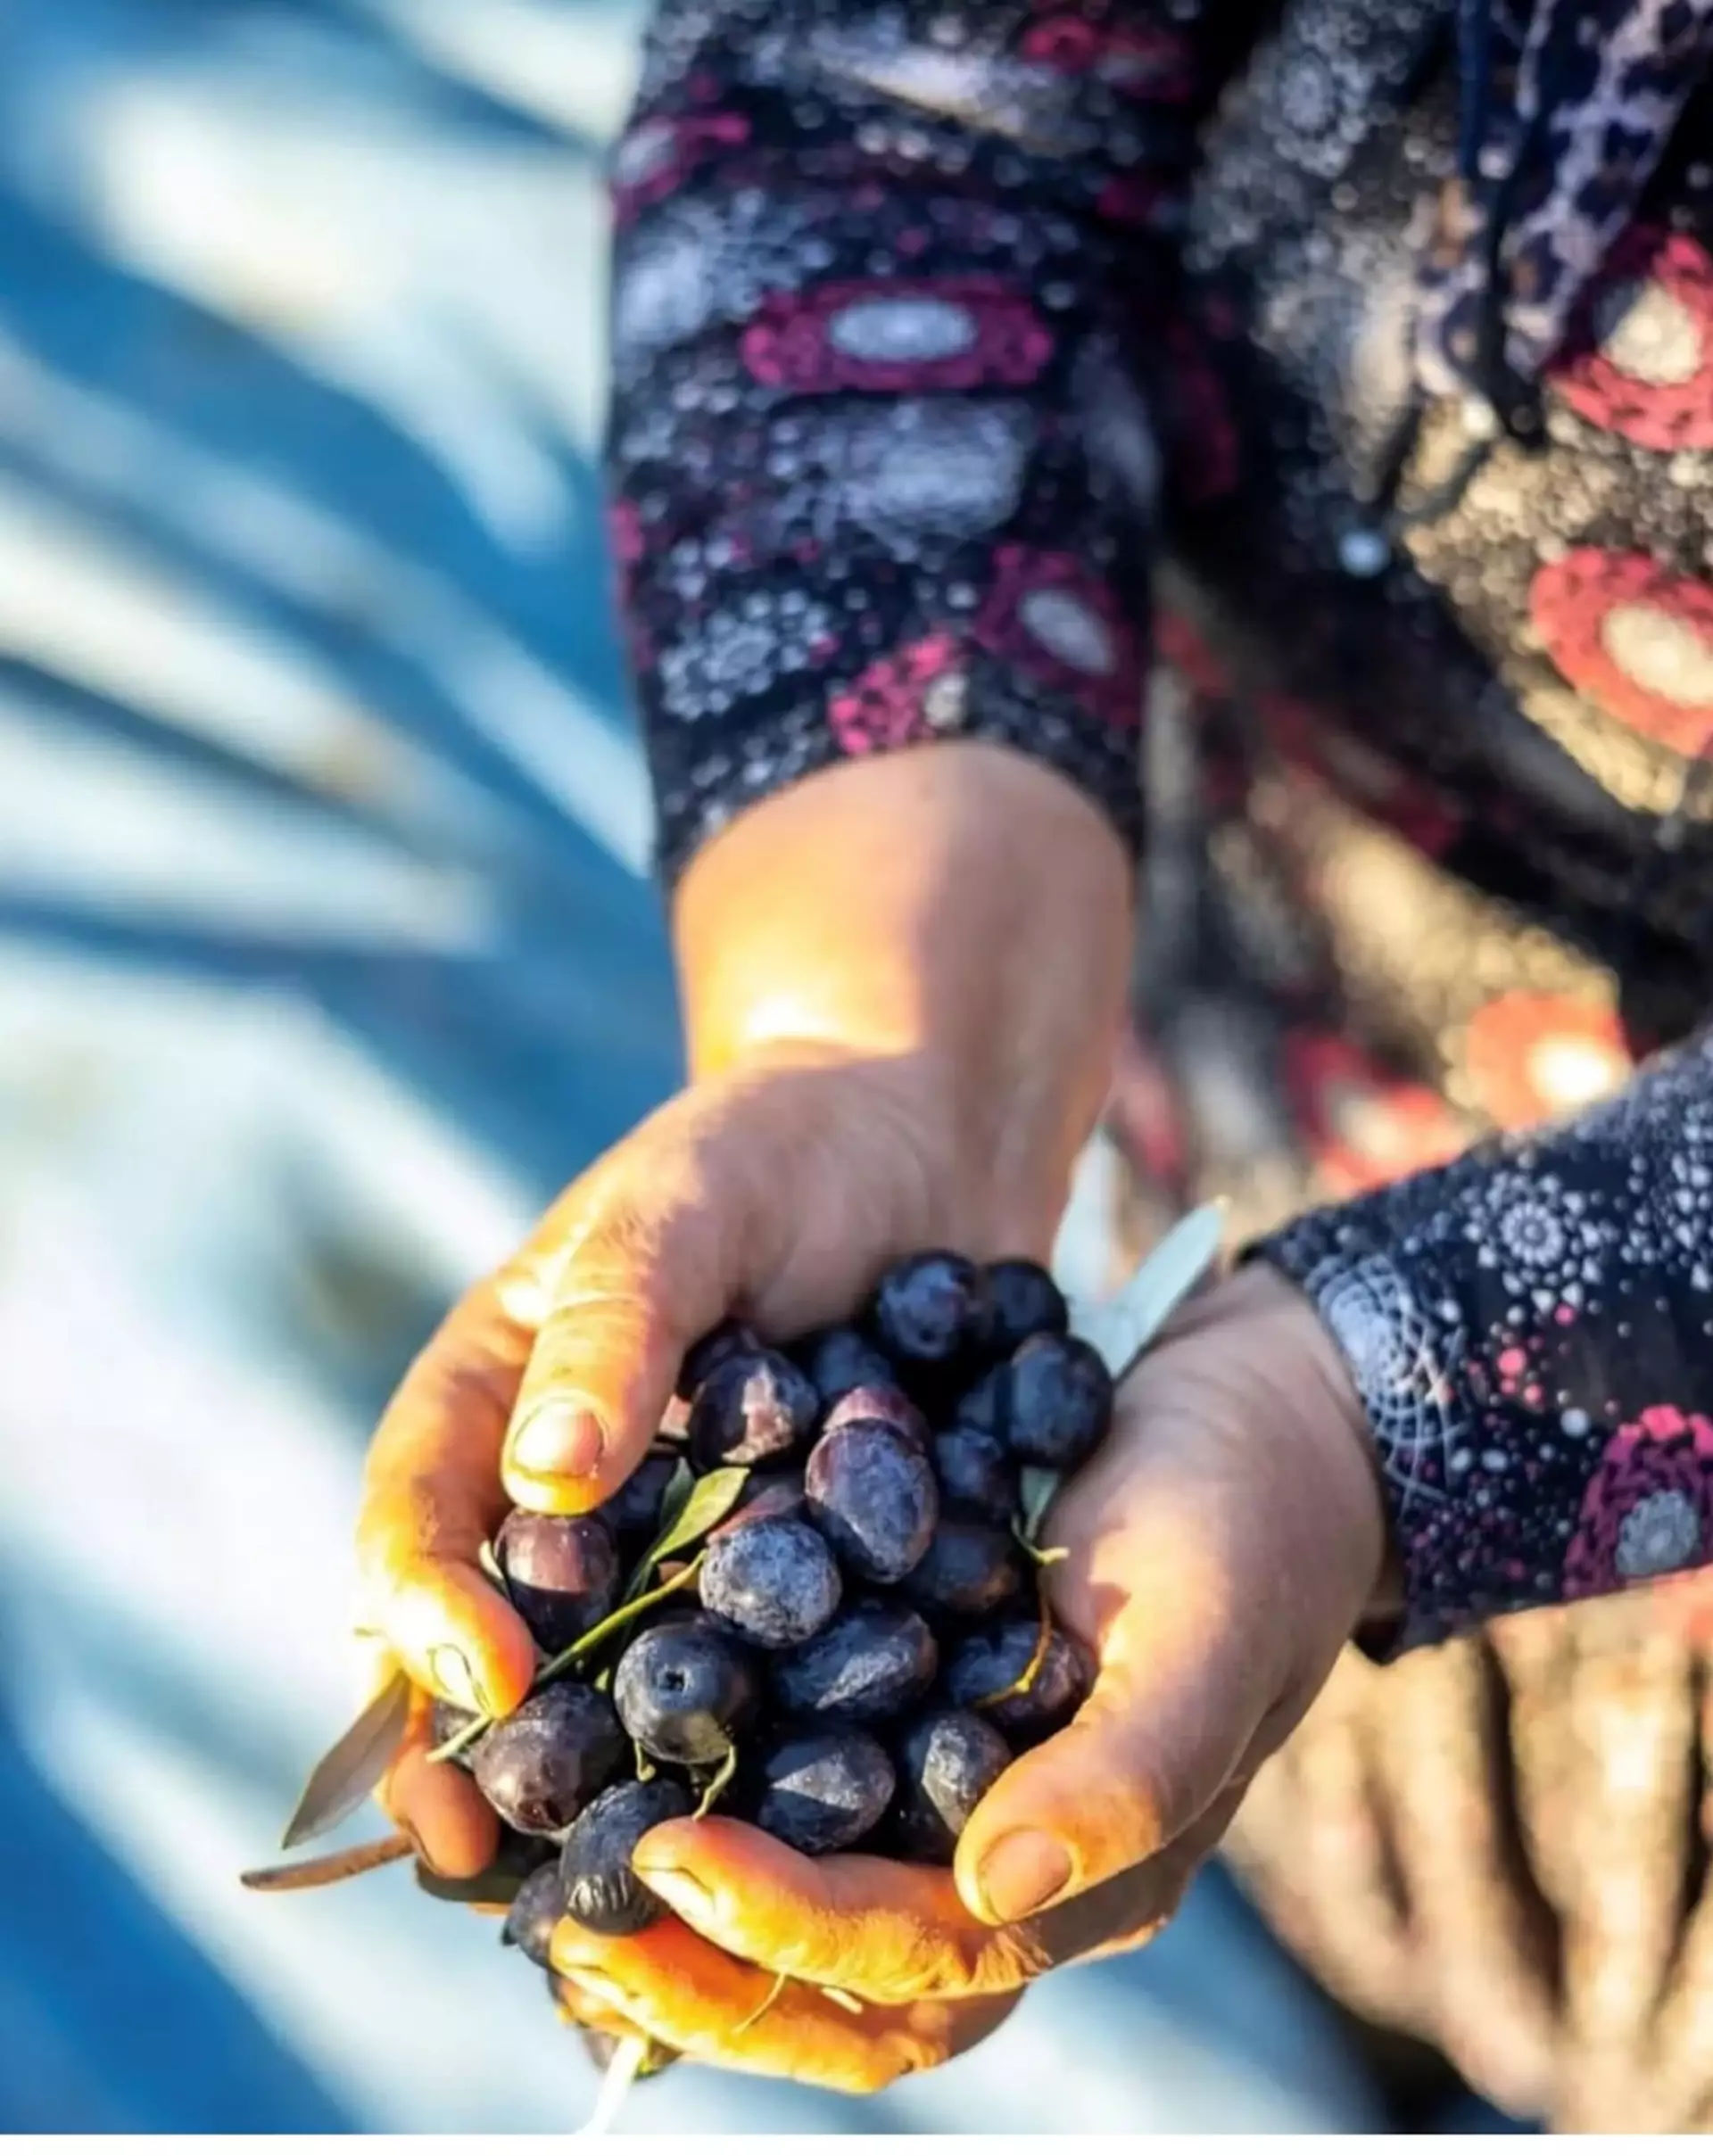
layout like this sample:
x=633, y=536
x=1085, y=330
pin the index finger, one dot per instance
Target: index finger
x=883, y=1931
x=432, y=1497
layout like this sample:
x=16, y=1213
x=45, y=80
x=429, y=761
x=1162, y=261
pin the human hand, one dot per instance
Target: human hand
x=892, y=1048
x=778, y=1193
x=1222, y=1546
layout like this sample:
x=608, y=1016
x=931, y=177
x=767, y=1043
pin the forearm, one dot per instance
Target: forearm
x=960, y=912
x=1529, y=1330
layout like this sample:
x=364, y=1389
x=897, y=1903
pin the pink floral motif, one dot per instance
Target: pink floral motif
x=1150, y=64
x=1048, y=615
x=887, y=705
x=1649, y=1509
x=654, y=158
x=899, y=335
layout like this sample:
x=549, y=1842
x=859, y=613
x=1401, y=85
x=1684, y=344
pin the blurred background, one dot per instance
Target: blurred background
x=327, y=954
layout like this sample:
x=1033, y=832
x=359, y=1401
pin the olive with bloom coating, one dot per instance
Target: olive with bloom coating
x=713, y=1349
x=1052, y=1403
x=755, y=1406
x=878, y=1404
x=820, y=1790
x=985, y=1672
x=536, y=1908
x=561, y=1574
x=970, y=1570
x=871, y=1493
x=685, y=1692
x=978, y=1478
x=599, y=1886
x=1026, y=1301
x=948, y=1762
x=841, y=1358
x=931, y=1313
x=871, y=1663
x=542, y=1764
x=774, y=1581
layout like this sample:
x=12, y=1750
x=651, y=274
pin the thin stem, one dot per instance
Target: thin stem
x=1036, y=1661
x=719, y=1786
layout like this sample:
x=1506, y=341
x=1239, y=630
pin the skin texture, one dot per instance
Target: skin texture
x=916, y=1049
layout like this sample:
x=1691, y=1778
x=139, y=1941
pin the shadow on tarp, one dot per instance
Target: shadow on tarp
x=80, y=1944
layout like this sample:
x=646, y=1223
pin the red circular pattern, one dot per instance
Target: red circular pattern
x=1572, y=601
x=1653, y=415
x=1023, y=575
x=791, y=344
x=667, y=151
x=1152, y=65
x=1665, y=1453
x=1363, y=1125
x=1504, y=1042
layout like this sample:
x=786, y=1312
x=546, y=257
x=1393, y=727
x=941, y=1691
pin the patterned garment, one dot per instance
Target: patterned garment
x=1378, y=335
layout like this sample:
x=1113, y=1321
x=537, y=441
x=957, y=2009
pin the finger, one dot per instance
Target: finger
x=888, y=1932
x=439, y=1807
x=432, y=1497
x=683, y=1991
x=583, y=2009
x=883, y=1932
x=651, y=1258
x=1162, y=1734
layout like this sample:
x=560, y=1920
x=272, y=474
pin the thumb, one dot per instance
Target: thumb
x=1156, y=1746
x=652, y=1258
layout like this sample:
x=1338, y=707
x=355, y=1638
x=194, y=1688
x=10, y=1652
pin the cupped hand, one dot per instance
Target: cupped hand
x=776, y=1193
x=1223, y=1546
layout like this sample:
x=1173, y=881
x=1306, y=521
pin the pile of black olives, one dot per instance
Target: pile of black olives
x=842, y=1637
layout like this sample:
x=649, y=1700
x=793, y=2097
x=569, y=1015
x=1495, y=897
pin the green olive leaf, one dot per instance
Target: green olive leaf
x=1040, y=1486
x=705, y=1505
x=680, y=1485
x=352, y=1768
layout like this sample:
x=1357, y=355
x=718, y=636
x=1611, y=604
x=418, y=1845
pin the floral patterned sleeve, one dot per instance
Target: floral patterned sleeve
x=1531, y=1330
x=882, y=469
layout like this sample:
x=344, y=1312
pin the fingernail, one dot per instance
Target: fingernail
x=1021, y=1872
x=455, y=1679
x=558, y=1439
x=683, y=1889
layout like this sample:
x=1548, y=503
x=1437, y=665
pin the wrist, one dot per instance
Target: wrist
x=1333, y=1429
x=957, y=916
